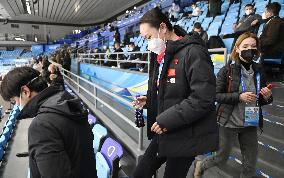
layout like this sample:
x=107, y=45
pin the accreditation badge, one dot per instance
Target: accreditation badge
x=251, y=116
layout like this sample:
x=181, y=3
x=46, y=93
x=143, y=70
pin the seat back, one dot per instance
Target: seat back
x=228, y=44
x=3, y=141
x=92, y=119
x=9, y=124
x=100, y=133
x=111, y=150
x=6, y=132
x=102, y=167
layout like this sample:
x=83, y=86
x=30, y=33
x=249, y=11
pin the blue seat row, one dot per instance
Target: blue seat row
x=8, y=130
x=108, y=152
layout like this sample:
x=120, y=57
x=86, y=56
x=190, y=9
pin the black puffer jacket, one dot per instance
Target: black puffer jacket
x=185, y=103
x=228, y=100
x=59, y=137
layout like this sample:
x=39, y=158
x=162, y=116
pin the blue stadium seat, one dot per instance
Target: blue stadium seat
x=108, y=158
x=100, y=133
x=9, y=124
x=3, y=141
x=228, y=43
x=102, y=167
x=92, y=119
x=6, y=132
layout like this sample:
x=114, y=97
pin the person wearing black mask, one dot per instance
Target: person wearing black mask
x=241, y=91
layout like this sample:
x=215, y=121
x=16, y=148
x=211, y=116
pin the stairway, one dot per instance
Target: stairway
x=270, y=145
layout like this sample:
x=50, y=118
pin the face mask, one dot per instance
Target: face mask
x=263, y=16
x=248, y=12
x=248, y=55
x=130, y=49
x=157, y=45
x=20, y=104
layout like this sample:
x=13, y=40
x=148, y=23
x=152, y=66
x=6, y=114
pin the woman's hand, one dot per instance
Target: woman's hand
x=248, y=97
x=139, y=102
x=266, y=93
x=157, y=129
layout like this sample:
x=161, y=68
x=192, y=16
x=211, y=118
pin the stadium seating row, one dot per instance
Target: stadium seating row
x=108, y=152
x=8, y=130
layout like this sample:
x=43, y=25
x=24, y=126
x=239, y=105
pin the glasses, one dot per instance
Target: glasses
x=32, y=80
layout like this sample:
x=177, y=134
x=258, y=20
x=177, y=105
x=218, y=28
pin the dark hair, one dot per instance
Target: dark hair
x=273, y=8
x=197, y=25
x=179, y=31
x=155, y=17
x=194, y=3
x=18, y=77
x=131, y=43
x=250, y=5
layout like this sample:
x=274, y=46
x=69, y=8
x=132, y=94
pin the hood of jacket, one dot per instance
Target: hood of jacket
x=174, y=47
x=57, y=101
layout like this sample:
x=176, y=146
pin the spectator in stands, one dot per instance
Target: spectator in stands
x=173, y=117
x=55, y=77
x=126, y=38
x=249, y=22
x=45, y=73
x=245, y=88
x=214, y=8
x=196, y=11
x=131, y=57
x=66, y=64
x=116, y=36
x=38, y=64
x=117, y=49
x=174, y=12
x=56, y=147
x=272, y=37
x=203, y=34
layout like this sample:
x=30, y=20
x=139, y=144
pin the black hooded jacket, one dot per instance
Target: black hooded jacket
x=59, y=137
x=184, y=104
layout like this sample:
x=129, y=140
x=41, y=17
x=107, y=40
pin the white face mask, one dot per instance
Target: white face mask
x=248, y=12
x=157, y=45
x=130, y=49
x=20, y=104
x=263, y=16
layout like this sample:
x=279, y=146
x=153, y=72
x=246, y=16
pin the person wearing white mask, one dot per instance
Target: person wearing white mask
x=60, y=121
x=249, y=22
x=181, y=117
x=196, y=11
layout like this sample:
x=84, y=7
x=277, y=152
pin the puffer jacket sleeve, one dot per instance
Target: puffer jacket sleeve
x=222, y=95
x=202, y=86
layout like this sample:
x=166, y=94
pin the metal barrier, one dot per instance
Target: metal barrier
x=89, y=57
x=75, y=82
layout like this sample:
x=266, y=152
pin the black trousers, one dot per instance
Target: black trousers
x=150, y=163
